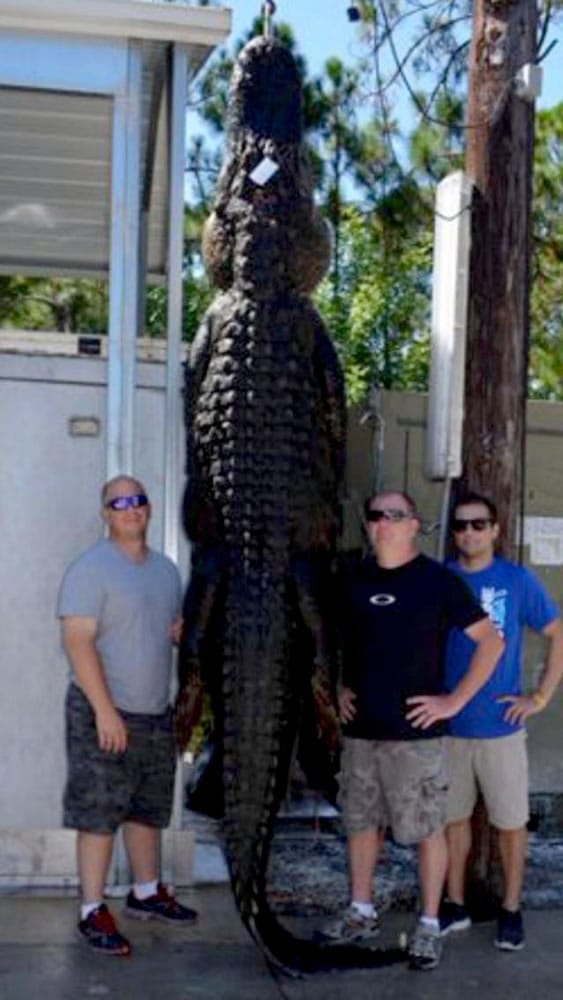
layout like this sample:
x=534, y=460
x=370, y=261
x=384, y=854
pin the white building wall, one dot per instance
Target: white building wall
x=49, y=513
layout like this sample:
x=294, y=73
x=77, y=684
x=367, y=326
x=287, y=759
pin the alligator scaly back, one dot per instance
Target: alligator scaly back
x=265, y=417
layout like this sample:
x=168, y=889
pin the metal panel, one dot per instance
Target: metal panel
x=172, y=461
x=40, y=396
x=55, y=176
x=124, y=280
x=54, y=182
x=452, y=240
x=49, y=112
x=56, y=143
x=158, y=196
x=61, y=63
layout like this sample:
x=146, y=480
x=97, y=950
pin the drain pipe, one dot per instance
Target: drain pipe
x=444, y=518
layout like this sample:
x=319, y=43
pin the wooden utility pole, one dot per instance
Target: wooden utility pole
x=499, y=161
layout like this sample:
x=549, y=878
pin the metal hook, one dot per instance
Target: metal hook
x=268, y=11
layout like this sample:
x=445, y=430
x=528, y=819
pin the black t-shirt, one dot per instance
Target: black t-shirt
x=395, y=623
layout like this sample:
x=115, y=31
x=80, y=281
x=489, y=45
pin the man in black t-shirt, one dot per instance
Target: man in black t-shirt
x=398, y=608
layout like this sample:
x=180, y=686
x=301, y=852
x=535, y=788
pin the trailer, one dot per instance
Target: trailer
x=92, y=113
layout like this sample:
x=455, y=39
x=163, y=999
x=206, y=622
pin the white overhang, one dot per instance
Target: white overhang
x=172, y=21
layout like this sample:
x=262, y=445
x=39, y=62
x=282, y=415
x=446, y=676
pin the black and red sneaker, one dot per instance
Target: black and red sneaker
x=100, y=932
x=161, y=906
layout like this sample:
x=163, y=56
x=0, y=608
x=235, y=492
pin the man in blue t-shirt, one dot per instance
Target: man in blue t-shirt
x=486, y=748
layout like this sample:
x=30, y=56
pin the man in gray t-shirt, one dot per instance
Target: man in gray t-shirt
x=119, y=606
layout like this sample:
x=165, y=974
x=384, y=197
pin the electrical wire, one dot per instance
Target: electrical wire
x=488, y=121
x=412, y=49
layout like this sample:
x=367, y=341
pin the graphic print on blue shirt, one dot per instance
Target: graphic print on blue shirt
x=515, y=599
x=494, y=603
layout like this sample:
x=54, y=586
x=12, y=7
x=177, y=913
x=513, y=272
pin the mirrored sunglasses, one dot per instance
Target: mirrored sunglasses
x=460, y=524
x=126, y=503
x=389, y=514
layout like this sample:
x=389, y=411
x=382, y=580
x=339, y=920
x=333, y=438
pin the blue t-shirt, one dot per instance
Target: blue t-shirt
x=514, y=599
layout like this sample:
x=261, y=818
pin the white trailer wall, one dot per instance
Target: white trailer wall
x=49, y=512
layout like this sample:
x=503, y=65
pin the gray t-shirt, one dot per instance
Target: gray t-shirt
x=134, y=605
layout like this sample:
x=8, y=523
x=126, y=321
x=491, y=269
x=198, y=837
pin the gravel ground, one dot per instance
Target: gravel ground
x=308, y=874
x=308, y=870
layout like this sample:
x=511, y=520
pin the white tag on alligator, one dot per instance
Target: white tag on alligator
x=264, y=171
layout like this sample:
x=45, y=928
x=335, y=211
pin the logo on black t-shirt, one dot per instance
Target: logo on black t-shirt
x=382, y=600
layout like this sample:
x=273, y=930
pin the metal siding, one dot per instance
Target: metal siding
x=54, y=181
x=55, y=175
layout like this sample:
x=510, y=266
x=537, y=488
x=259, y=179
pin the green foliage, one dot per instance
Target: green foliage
x=376, y=186
x=71, y=306
x=63, y=304
x=380, y=319
x=546, y=352
x=196, y=298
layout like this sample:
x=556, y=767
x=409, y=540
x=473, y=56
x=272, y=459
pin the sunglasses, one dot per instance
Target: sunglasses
x=477, y=523
x=126, y=503
x=390, y=514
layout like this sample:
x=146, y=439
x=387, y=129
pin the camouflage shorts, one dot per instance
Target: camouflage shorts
x=105, y=789
x=400, y=784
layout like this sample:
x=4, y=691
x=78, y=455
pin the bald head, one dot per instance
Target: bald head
x=392, y=498
x=392, y=524
x=120, y=484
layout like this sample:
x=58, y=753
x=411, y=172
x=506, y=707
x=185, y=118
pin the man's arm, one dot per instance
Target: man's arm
x=78, y=636
x=521, y=706
x=176, y=630
x=346, y=704
x=428, y=709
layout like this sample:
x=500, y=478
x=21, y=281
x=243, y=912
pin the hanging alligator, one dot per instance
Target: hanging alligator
x=265, y=421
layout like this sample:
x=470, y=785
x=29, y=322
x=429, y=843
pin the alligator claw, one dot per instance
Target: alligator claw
x=187, y=711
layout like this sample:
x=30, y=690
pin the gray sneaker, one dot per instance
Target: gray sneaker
x=349, y=928
x=425, y=947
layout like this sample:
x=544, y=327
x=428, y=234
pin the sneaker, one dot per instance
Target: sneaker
x=351, y=927
x=425, y=947
x=99, y=931
x=510, y=931
x=453, y=917
x=161, y=906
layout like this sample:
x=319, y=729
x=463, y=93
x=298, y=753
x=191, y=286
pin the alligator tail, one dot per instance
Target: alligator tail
x=257, y=741
x=300, y=956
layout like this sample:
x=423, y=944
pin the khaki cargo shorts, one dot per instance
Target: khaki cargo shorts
x=399, y=784
x=498, y=768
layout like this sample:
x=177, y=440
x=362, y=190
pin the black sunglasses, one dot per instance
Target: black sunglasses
x=125, y=503
x=390, y=514
x=477, y=523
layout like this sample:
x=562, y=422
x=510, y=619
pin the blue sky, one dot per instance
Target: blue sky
x=321, y=27
x=322, y=30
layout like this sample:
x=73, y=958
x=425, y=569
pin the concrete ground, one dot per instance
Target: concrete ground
x=41, y=959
